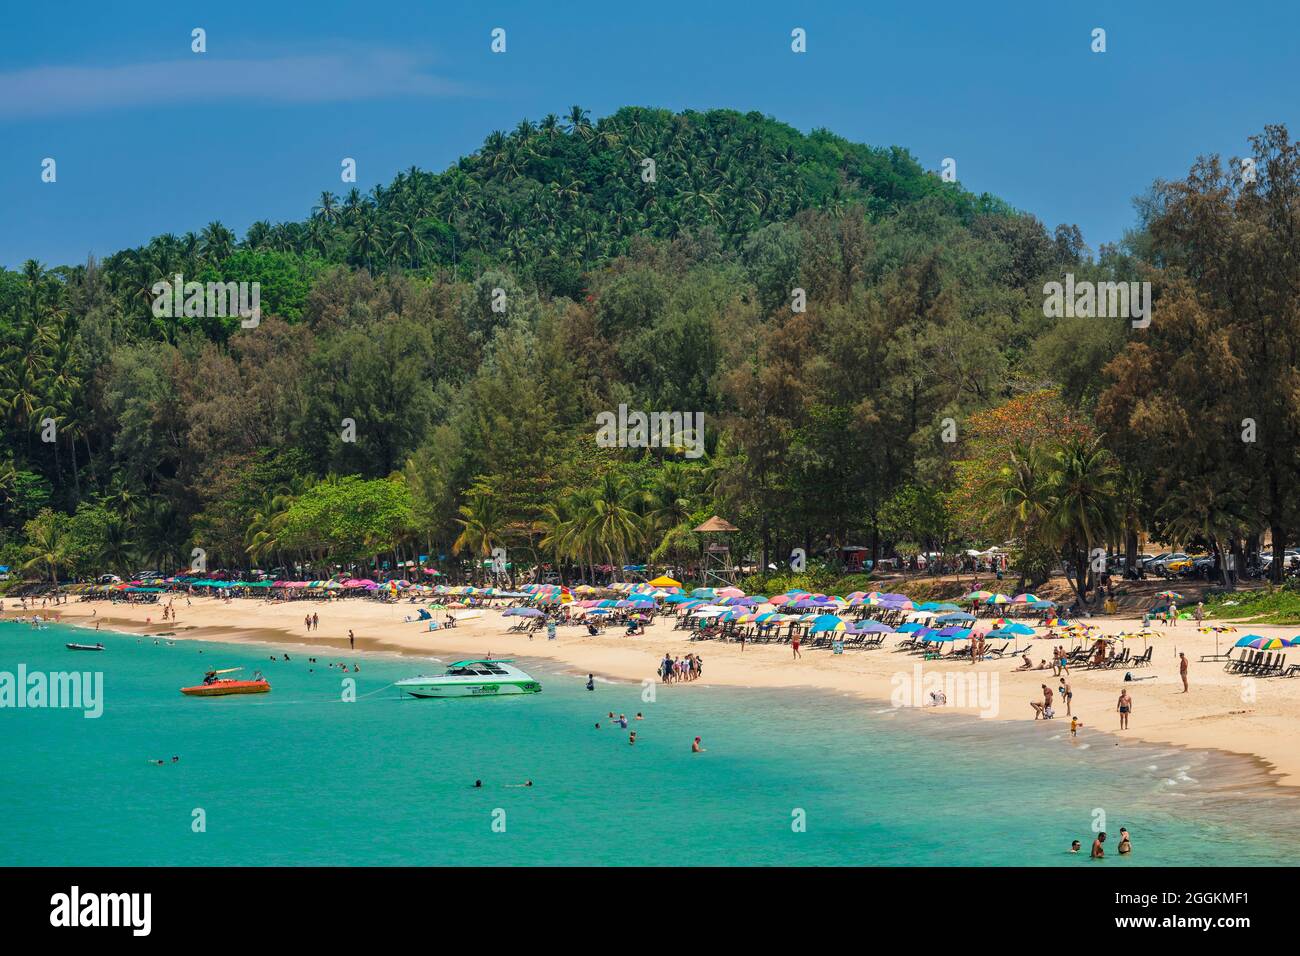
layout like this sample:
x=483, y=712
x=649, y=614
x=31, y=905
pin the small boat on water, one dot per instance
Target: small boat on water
x=84, y=647
x=484, y=678
x=214, y=686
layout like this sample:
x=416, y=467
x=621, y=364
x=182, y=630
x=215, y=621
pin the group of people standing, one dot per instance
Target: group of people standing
x=673, y=670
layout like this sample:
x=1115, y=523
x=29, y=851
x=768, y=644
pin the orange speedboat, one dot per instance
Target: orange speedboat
x=215, y=686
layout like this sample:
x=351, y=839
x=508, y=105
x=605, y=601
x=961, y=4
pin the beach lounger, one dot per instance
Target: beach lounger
x=1260, y=664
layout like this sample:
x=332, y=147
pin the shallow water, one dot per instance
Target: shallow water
x=301, y=777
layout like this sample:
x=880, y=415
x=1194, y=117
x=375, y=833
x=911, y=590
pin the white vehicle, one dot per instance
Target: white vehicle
x=485, y=678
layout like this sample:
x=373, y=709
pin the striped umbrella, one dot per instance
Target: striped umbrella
x=1263, y=643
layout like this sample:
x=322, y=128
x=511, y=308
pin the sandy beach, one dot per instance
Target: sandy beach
x=1253, y=717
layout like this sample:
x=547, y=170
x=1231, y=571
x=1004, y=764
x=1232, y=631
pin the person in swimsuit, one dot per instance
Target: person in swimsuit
x=794, y=645
x=1075, y=846
x=1182, y=671
x=1097, y=851
x=696, y=748
x=1124, y=845
x=1067, y=695
x=1125, y=707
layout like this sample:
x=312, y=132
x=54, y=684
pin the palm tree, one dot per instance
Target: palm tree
x=118, y=549
x=612, y=523
x=216, y=242
x=580, y=122
x=47, y=543
x=327, y=209
x=1082, y=485
x=1022, y=505
x=481, y=525
x=1205, y=507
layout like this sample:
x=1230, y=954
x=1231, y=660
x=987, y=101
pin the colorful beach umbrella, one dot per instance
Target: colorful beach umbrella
x=828, y=622
x=1263, y=643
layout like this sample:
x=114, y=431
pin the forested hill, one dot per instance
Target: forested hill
x=554, y=198
x=665, y=286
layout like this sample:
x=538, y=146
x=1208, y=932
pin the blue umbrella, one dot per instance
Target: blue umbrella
x=911, y=626
x=870, y=627
x=953, y=633
x=958, y=618
x=827, y=622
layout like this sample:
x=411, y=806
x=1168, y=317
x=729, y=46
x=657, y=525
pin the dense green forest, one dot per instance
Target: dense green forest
x=471, y=324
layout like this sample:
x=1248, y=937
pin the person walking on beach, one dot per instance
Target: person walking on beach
x=794, y=645
x=550, y=629
x=352, y=640
x=1199, y=613
x=1173, y=614
x=1182, y=669
x=1067, y=695
x=315, y=622
x=1125, y=707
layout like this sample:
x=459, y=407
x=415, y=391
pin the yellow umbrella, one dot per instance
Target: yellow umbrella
x=663, y=581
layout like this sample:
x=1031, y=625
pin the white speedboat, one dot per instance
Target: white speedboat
x=490, y=678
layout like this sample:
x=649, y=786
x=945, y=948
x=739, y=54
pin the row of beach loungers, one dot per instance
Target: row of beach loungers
x=1262, y=664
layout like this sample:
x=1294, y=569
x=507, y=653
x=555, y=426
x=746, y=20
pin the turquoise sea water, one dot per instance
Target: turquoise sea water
x=300, y=777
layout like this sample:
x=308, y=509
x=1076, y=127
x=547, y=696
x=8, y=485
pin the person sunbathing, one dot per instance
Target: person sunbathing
x=1028, y=665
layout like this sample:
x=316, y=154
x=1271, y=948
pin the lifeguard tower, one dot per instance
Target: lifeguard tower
x=716, y=567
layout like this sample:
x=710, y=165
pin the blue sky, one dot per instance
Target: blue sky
x=152, y=138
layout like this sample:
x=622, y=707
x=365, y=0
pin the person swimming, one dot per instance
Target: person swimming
x=696, y=748
x=1076, y=846
x=478, y=784
x=591, y=682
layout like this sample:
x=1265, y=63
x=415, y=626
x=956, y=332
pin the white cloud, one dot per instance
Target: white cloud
x=200, y=78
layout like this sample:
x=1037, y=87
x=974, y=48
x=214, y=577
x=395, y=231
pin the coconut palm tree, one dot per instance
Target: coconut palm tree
x=612, y=521
x=482, y=524
x=1082, y=482
x=117, y=551
x=47, y=543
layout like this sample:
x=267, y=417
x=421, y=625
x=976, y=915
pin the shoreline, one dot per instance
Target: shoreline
x=1207, y=719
